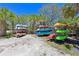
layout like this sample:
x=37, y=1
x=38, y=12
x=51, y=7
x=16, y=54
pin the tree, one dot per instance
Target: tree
x=5, y=15
x=33, y=19
x=52, y=12
x=69, y=11
x=2, y=25
x=76, y=5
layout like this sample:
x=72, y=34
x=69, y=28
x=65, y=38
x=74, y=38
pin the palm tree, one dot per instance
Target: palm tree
x=5, y=15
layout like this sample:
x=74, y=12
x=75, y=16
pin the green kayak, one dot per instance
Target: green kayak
x=61, y=37
x=61, y=31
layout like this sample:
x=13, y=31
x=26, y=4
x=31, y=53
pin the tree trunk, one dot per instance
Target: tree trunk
x=2, y=28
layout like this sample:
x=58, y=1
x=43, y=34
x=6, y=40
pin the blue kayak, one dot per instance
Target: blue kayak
x=44, y=31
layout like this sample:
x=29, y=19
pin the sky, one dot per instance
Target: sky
x=24, y=8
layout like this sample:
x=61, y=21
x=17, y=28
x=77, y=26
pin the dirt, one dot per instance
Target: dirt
x=28, y=45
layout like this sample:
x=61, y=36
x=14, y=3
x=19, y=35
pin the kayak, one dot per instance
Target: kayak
x=44, y=33
x=61, y=31
x=61, y=37
x=52, y=36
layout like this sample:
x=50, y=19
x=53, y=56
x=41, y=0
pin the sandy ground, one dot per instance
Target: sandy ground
x=28, y=46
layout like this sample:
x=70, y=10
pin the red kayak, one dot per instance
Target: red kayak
x=52, y=36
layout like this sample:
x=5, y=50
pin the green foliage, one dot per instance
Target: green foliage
x=68, y=11
x=8, y=35
x=5, y=16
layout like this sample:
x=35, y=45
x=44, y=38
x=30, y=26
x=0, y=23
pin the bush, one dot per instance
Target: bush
x=8, y=35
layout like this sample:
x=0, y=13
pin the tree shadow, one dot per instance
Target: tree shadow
x=68, y=41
